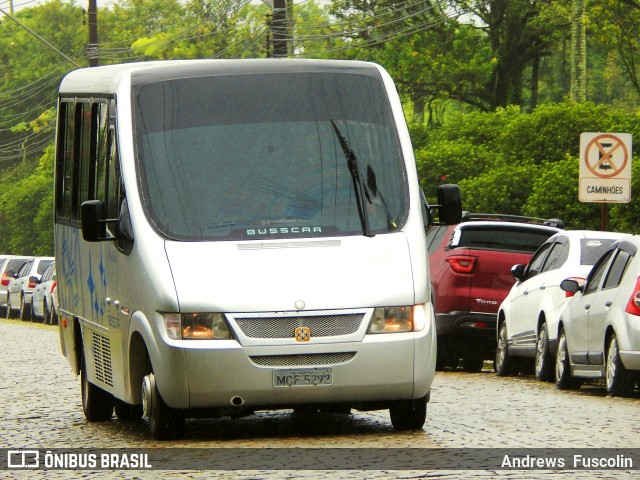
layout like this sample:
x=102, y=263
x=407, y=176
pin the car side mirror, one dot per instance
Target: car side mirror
x=570, y=285
x=34, y=279
x=573, y=285
x=450, y=201
x=517, y=271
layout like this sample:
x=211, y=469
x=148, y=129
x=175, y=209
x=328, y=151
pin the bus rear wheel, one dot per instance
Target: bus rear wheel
x=165, y=423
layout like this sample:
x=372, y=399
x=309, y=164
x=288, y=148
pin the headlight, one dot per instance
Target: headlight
x=411, y=318
x=196, y=326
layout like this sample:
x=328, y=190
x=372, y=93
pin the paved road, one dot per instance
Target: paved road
x=41, y=409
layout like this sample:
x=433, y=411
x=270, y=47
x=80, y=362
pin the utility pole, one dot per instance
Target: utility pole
x=279, y=28
x=91, y=48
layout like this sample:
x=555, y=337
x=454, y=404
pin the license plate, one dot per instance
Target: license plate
x=302, y=377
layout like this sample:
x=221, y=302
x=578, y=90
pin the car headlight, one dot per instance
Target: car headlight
x=196, y=326
x=411, y=318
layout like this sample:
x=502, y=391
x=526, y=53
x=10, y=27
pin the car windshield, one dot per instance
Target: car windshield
x=252, y=156
x=503, y=238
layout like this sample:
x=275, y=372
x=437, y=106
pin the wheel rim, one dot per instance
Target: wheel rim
x=146, y=396
x=612, y=360
x=502, y=347
x=541, y=347
x=562, y=356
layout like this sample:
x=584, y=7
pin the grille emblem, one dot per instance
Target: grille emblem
x=302, y=334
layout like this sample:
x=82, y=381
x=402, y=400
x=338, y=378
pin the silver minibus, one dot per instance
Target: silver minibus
x=242, y=235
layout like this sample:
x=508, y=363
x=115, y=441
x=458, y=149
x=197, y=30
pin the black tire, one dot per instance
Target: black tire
x=54, y=316
x=97, y=404
x=544, y=359
x=618, y=380
x=25, y=311
x=564, y=380
x=126, y=411
x=409, y=414
x=165, y=423
x=504, y=364
x=472, y=363
x=46, y=313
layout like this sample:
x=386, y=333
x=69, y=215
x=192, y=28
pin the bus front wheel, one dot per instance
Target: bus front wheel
x=409, y=414
x=165, y=422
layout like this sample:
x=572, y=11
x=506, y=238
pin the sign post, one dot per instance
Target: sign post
x=605, y=169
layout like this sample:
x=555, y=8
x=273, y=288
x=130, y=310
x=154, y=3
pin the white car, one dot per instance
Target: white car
x=21, y=286
x=44, y=303
x=528, y=316
x=600, y=327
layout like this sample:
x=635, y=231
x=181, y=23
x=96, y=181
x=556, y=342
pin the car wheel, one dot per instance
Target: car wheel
x=46, y=313
x=7, y=313
x=25, y=310
x=54, y=316
x=504, y=364
x=564, y=380
x=618, y=380
x=165, y=422
x=409, y=414
x=97, y=404
x=543, y=364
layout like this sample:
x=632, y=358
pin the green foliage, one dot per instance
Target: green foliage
x=525, y=163
x=26, y=208
x=554, y=194
x=552, y=130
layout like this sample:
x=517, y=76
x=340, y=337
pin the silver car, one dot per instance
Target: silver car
x=21, y=286
x=600, y=327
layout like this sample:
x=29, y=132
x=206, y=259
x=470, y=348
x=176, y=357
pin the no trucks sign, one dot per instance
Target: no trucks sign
x=605, y=167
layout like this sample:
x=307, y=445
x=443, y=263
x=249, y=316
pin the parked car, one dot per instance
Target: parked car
x=600, y=327
x=9, y=268
x=44, y=302
x=21, y=286
x=528, y=316
x=470, y=276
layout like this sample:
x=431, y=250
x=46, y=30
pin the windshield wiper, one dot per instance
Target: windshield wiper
x=358, y=186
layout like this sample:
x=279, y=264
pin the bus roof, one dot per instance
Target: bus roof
x=105, y=79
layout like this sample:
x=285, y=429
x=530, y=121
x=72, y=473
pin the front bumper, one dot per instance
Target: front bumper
x=384, y=367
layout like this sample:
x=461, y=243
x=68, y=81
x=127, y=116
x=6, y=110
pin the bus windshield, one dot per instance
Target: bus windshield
x=269, y=156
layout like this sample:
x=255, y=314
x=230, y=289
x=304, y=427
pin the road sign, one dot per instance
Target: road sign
x=605, y=167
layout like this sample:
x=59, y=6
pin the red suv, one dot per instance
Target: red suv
x=470, y=276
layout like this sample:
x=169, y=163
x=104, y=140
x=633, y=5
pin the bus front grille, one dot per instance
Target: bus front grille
x=284, y=327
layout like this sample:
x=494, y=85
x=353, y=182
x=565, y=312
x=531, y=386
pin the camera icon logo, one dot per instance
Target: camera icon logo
x=23, y=459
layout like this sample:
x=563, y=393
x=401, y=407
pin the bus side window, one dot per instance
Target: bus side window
x=87, y=159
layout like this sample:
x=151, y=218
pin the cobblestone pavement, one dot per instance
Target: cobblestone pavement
x=41, y=409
